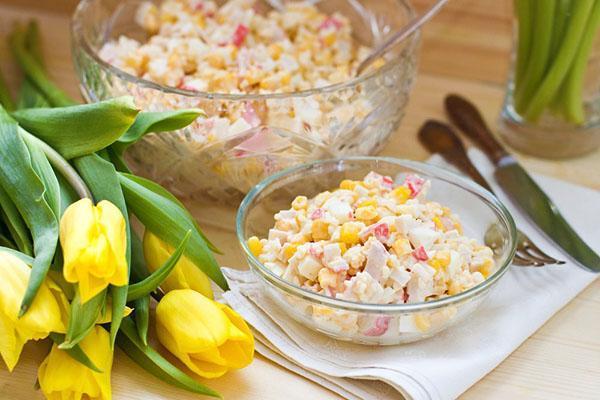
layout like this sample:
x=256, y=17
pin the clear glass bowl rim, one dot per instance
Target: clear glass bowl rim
x=79, y=40
x=426, y=169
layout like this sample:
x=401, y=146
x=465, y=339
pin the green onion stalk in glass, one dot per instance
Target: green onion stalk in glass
x=554, y=43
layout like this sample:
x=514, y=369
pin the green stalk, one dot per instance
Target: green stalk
x=33, y=43
x=29, y=95
x=573, y=99
x=524, y=12
x=5, y=97
x=540, y=52
x=34, y=71
x=561, y=18
x=561, y=63
x=62, y=166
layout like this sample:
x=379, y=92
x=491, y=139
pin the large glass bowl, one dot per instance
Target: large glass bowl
x=357, y=116
x=478, y=209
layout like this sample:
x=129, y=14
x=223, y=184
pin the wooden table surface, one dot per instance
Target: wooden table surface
x=465, y=50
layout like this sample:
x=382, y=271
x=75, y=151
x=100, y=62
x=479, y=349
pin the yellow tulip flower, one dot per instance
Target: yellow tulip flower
x=61, y=377
x=94, y=242
x=47, y=313
x=185, y=275
x=209, y=337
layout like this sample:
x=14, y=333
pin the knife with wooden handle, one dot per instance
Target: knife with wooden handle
x=517, y=183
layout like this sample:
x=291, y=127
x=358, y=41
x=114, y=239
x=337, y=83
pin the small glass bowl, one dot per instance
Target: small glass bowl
x=356, y=117
x=350, y=321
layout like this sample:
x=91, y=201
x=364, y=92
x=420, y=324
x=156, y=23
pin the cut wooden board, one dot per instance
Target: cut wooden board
x=465, y=50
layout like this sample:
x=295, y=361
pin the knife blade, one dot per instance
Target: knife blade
x=520, y=187
x=517, y=183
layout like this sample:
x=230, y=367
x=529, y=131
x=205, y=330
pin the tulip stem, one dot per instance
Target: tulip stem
x=63, y=166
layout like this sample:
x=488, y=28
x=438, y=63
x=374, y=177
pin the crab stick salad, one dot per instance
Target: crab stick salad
x=239, y=48
x=373, y=241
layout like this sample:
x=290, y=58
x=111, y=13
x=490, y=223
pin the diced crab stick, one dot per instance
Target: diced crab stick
x=414, y=184
x=239, y=36
x=317, y=214
x=380, y=326
x=420, y=254
x=331, y=22
x=387, y=182
x=382, y=232
x=250, y=116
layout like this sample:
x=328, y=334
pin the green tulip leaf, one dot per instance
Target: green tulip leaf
x=151, y=283
x=161, y=191
x=82, y=318
x=170, y=222
x=157, y=365
x=15, y=224
x=67, y=194
x=162, y=121
x=42, y=167
x=79, y=130
x=139, y=270
x=75, y=352
x=6, y=241
x=30, y=97
x=102, y=179
x=116, y=158
x=26, y=190
x=142, y=318
x=34, y=71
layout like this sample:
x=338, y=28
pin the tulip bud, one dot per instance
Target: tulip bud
x=207, y=336
x=62, y=377
x=185, y=275
x=47, y=313
x=94, y=242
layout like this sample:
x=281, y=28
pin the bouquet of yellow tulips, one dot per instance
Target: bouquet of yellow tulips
x=71, y=267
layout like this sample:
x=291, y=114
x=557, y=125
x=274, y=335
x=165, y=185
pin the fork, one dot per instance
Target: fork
x=440, y=138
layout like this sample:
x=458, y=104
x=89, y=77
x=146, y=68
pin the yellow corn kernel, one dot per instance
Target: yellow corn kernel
x=380, y=62
x=255, y=246
x=435, y=264
x=422, y=322
x=320, y=230
x=286, y=78
x=300, y=203
x=454, y=288
x=200, y=21
x=365, y=213
x=347, y=184
x=368, y=202
x=289, y=250
x=401, y=194
x=486, y=268
x=343, y=247
x=458, y=227
x=443, y=256
x=401, y=246
x=438, y=223
x=215, y=61
x=168, y=18
x=349, y=233
x=275, y=51
x=329, y=39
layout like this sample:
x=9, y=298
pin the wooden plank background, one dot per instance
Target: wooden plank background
x=466, y=50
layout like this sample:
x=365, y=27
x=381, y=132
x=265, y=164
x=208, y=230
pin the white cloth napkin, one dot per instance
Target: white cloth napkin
x=446, y=365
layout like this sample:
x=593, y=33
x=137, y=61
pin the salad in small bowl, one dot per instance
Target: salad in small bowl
x=374, y=250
